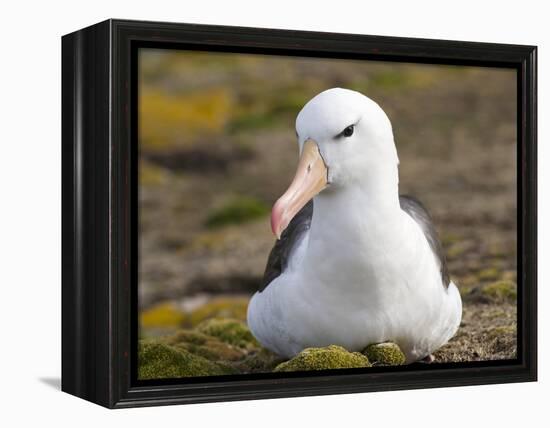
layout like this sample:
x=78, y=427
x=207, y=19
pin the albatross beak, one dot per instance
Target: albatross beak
x=310, y=179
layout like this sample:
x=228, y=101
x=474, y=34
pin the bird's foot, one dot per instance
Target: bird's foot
x=428, y=359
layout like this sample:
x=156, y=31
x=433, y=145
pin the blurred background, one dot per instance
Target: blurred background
x=217, y=147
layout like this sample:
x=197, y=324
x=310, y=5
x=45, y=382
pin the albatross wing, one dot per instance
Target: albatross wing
x=280, y=253
x=418, y=212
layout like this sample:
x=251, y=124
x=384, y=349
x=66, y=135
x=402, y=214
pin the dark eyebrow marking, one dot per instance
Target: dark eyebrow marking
x=341, y=133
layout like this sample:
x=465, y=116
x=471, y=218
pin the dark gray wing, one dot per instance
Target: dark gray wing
x=279, y=256
x=420, y=214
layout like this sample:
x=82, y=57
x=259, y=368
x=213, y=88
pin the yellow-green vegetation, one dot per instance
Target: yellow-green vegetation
x=214, y=347
x=258, y=361
x=488, y=274
x=330, y=357
x=497, y=332
x=159, y=361
x=389, y=80
x=250, y=121
x=230, y=331
x=151, y=175
x=237, y=211
x=220, y=307
x=212, y=240
x=457, y=249
x=385, y=354
x=169, y=120
x=449, y=238
x=501, y=291
x=502, y=338
x=167, y=315
x=205, y=346
x=162, y=315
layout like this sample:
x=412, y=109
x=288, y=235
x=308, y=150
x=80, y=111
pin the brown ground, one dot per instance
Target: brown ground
x=455, y=134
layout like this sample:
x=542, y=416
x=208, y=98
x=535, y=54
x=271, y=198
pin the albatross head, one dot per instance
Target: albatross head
x=345, y=140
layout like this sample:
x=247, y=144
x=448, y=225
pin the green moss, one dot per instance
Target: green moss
x=258, y=361
x=449, y=238
x=162, y=315
x=456, y=250
x=237, y=211
x=159, y=360
x=331, y=357
x=221, y=307
x=385, y=354
x=502, y=339
x=501, y=291
x=250, y=121
x=290, y=101
x=390, y=80
x=205, y=346
x=497, y=332
x=230, y=331
x=488, y=274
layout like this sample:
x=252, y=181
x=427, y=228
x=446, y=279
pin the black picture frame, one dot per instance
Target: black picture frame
x=99, y=194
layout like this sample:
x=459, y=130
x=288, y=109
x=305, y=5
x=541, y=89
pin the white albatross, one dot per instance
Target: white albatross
x=359, y=264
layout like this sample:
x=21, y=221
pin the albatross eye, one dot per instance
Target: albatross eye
x=348, y=132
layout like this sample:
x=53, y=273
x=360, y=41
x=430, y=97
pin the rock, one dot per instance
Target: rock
x=330, y=357
x=159, y=360
x=385, y=354
x=230, y=331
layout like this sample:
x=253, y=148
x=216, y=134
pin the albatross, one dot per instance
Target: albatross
x=354, y=262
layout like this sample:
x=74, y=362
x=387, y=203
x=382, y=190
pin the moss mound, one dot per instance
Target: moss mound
x=258, y=361
x=205, y=346
x=159, y=360
x=216, y=346
x=330, y=357
x=501, y=291
x=230, y=331
x=385, y=354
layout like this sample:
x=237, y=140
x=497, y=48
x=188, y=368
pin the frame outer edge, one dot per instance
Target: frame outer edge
x=70, y=379
x=86, y=314
x=532, y=208
x=96, y=169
